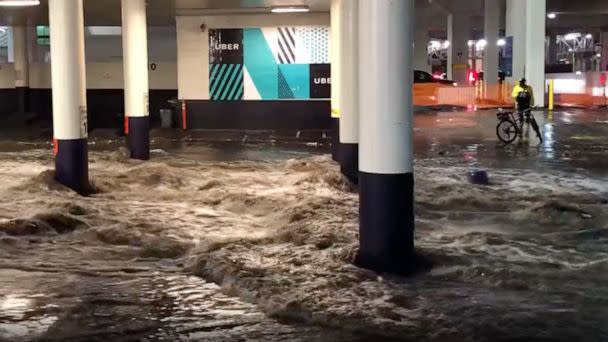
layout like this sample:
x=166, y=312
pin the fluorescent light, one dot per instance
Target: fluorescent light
x=501, y=42
x=598, y=55
x=588, y=36
x=290, y=9
x=481, y=44
x=572, y=36
x=105, y=30
x=551, y=15
x=17, y=3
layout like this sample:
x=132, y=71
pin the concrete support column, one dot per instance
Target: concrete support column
x=21, y=63
x=491, y=33
x=135, y=65
x=458, y=53
x=335, y=14
x=421, y=50
x=10, y=46
x=536, y=14
x=69, y=94
x=552, y=51
x=516, y=28
x=386, y=181
x=349, y=92
x=604, y=61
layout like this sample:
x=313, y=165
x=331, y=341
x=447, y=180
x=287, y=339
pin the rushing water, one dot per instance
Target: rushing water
x=275, y=228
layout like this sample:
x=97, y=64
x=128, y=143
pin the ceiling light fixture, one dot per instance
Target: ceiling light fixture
x=290, y=9
x=551, y=15
x=19, y=3
x=572, y=36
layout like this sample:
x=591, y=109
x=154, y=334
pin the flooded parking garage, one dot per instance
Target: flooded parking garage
x=186, y=170
x=246, y=238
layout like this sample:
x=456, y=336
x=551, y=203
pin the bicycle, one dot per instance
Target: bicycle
x=509, y=127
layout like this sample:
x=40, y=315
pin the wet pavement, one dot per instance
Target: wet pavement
x=111, y=267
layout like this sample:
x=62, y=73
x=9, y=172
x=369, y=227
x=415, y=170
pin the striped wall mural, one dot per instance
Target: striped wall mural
x=270, y=63
x=287, y=45
x=226, y=82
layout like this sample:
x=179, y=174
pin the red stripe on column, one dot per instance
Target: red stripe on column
x=126, y=125
x=184, y=124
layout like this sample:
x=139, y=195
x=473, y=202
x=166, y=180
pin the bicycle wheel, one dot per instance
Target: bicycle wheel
x=536, y=129
x=506, y=131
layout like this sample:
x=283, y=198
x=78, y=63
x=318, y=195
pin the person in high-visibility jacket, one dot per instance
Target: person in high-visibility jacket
x=523, y=95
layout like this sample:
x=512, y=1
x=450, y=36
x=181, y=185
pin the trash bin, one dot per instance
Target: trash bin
x=166, y=118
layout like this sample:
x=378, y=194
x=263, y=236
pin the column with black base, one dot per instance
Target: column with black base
x=336, y=7
x=386, y=181
x=22, y=75
x=69, y=94
x=135, y=65
x=349, y=90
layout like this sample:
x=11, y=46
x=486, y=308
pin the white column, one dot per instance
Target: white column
x=491, y=28
x=386, y=54
x=536, y=12
x=135, y=65
x=69, y=93
x=516, y=28
x=68, y=69
x=458, y=53
x=10, y=46
x=335, y=13
x=421, y=46
x=21, y=65
x=349, y=89
x=22, y=78
x=336, y=9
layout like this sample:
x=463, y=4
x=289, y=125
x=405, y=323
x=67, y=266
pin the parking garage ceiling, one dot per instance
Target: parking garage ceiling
x=571, y=14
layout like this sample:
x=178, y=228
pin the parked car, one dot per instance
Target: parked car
x=424, y=77
x=426, y=88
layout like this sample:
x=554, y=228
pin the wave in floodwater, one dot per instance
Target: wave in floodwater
x=524, y=258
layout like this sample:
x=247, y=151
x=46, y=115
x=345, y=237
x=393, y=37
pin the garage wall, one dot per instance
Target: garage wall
x=193, y=44
x=7, y=76
x=193, y=79
x=105, y=95
x=103, y=75
x=162, y=47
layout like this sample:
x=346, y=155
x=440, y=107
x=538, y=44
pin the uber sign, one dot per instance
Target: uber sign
x=231, y=47
x=320, y=81
x=225, y=46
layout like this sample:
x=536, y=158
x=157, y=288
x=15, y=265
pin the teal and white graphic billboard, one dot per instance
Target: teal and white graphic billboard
x=274, y=63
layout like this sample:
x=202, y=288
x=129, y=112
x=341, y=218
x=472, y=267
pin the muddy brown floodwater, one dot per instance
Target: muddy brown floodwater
x=257, y=245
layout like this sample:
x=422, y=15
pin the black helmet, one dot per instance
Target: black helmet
x=522, y=81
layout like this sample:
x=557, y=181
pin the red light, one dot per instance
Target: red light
x=472, y=76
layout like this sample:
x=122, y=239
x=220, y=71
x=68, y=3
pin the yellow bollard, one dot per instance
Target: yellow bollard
x=551, y=95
